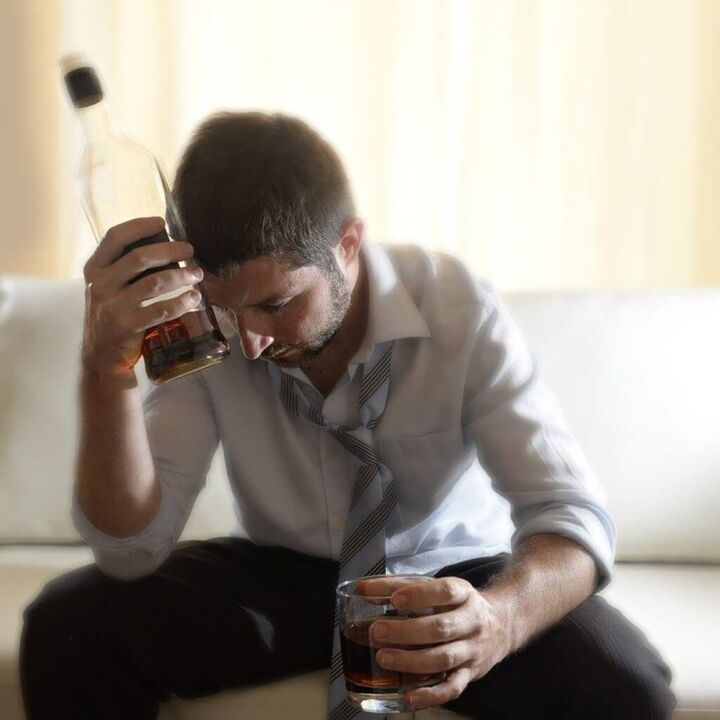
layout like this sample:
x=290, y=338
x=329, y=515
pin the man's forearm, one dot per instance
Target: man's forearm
x=548, y=576
x=115, y=474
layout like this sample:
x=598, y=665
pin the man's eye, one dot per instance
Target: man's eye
x=275, y=309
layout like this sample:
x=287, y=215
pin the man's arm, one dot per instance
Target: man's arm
x=136, y=478
x=115, y=481
x=175, y=423
x=547, y=577
x=564, y=541
x=525, y=445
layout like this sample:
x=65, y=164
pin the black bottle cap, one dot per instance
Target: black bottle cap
x=81, y=81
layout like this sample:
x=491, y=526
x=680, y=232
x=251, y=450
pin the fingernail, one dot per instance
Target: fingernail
x=198, y=274
x=384, y=657
x=399, y=600
x=379, y=632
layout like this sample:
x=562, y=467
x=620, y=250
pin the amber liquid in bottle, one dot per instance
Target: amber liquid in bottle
x=119, y=181
x=179, y=347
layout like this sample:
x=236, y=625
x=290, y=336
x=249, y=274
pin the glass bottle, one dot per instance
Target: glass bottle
x=120, y=180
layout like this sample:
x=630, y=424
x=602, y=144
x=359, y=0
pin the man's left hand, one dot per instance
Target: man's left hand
x=469, y=634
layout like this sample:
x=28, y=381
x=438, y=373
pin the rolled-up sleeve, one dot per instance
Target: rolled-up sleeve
x=525, y=445
x=183, y=437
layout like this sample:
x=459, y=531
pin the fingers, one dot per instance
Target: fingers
x=450, y=689
x=386, y=585
x=375, y=587
x=160, y=283
x=142, y=259
x=440, y=591
x=439, y=628
x=430, y=660
x=111, y=268
x=159, y=312
x=111, y=246
x=120, y=282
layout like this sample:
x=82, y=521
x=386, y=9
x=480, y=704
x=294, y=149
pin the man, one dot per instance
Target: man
x=466, y=431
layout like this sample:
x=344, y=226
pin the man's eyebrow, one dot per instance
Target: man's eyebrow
x=274, y=298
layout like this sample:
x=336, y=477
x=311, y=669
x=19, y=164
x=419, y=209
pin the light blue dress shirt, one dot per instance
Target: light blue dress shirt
x=478, y=446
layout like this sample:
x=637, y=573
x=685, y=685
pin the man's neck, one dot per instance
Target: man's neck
x=326, y=369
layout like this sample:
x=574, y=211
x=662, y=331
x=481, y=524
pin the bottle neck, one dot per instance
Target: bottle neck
x=95, y=121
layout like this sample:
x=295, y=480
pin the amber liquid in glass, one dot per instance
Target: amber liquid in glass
x=364, y=675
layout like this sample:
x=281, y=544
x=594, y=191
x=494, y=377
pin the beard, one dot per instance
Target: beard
x=301, y=354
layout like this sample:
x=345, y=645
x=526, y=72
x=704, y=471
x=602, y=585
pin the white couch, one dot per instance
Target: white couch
x=638, y=374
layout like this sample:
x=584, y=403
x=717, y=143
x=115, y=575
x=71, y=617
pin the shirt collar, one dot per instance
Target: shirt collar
x=392, y=313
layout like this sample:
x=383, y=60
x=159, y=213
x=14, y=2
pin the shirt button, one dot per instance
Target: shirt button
x=340, y=525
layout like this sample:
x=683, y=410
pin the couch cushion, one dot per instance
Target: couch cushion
x=678, y=607
x=637, y=375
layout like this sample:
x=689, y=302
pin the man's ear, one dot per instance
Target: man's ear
x=351, y=239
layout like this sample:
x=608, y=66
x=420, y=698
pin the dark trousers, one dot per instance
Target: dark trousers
x=223, y=613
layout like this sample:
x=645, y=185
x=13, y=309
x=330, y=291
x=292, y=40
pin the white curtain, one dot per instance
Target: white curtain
x=550, y=144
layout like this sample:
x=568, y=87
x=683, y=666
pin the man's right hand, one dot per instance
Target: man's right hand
x=115, y=320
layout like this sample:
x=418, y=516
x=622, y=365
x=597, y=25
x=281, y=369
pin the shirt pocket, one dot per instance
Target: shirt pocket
x=425, y=468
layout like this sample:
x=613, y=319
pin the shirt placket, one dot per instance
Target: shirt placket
x=338, y=467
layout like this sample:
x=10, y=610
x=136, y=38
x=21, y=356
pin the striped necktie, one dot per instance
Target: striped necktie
x=373, y=503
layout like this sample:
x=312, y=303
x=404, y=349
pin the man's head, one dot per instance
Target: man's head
x=267, y=205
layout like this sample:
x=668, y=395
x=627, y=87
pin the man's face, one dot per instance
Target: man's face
x=286, y=316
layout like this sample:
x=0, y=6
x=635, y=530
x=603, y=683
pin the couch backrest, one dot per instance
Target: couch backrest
x=636, y=372
x=638, y=376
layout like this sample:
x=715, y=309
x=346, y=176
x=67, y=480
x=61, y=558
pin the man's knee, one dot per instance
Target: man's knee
x=615, y=663
x=646, y=690
x=68, y=650
x=60, y=604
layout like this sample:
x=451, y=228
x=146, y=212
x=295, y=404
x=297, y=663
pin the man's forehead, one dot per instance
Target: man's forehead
x=262, y=279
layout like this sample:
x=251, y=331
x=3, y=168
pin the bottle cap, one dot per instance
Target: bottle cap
x=81, y=80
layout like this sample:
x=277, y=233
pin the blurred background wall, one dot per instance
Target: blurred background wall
x=549, y=143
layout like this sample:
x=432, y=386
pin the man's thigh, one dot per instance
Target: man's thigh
x=217, y=613
x=592, y=665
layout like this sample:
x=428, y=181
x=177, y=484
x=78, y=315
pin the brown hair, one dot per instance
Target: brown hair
x=252, y=184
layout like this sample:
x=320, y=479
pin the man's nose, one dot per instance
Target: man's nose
x=253, y=343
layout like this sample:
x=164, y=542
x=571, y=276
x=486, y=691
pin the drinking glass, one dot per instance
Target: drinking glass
x=360, y=603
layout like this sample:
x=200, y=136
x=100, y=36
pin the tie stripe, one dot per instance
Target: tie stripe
x=344, y=711
x=316, y=417
x=362, y=451
x=366, y=475
x=378, y=568
x=371, y=526
x=375, y=378
x=336, y=666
